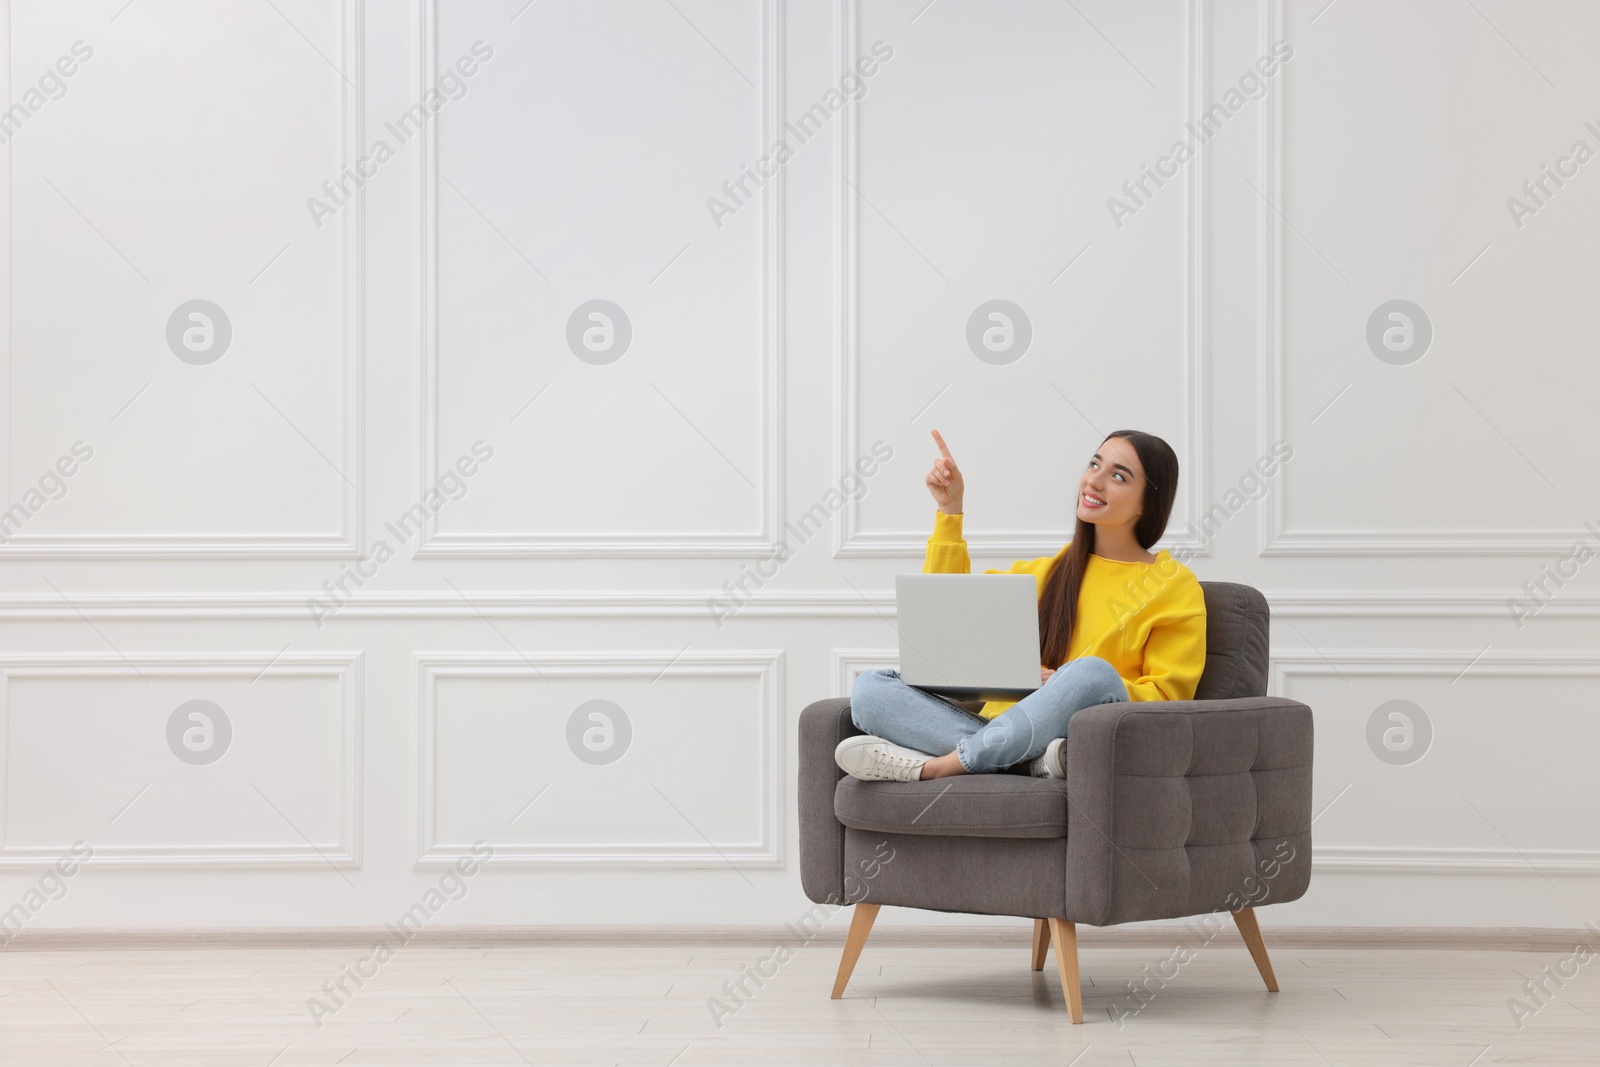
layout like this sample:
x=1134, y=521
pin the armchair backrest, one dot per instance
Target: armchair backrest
x=1237, y=620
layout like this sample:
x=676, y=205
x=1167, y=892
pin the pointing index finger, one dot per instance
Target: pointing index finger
x=942, y=449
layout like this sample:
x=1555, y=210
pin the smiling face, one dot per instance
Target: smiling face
x=1111, y=489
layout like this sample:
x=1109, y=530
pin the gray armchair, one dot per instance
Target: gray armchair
x=1169, y=809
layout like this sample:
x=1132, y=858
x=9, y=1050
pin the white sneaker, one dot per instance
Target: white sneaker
x=873, y=759
x=1053, y=762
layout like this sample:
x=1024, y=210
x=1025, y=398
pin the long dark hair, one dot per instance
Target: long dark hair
x=1058, y=604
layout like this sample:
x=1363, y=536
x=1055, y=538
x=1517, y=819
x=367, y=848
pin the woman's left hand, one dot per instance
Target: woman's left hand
x=1044, y=674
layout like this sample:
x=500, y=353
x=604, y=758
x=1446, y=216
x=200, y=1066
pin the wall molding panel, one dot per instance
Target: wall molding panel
x=850, y=540
x=763, y=668
x=340, y=669
x=1277, y=536
x=530, y=544
x=347, y=543
x=1435, y=663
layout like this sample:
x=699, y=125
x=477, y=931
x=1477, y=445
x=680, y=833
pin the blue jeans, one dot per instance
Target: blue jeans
x=883, y=705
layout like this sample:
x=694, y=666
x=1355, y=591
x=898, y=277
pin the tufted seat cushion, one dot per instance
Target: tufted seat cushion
x=966, y=805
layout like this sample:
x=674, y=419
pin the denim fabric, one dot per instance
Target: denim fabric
x=885, y=706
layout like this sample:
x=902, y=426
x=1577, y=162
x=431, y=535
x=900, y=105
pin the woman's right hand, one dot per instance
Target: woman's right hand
x=944, y=480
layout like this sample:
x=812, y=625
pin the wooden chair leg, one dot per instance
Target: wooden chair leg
x=1041, y=943
x=1065, y=936
x=860, y=926
x=1245, y=919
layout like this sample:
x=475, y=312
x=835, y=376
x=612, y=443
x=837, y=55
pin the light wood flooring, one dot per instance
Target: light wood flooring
x=973, y=1002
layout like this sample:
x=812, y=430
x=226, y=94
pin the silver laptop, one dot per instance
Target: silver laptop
x=969, y=636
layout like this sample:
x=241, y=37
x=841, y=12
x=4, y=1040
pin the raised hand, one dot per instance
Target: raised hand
x=944, y=480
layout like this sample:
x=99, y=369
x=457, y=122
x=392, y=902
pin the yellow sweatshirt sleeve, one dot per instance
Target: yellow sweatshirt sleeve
x=947, y=549
x=1174, y=656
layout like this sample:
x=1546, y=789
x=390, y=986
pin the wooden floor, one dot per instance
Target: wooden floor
x=916, y=1004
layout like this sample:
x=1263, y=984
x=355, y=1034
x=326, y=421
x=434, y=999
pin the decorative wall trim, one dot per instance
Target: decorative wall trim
x=850, y=662
x=352, y=224
x=765, y=666
x=1532, y=862
x=892, y=930
x=690, y=603
x=848, y=538
x=1421, y=603
x=432, y=543
x=1517, y=663
x=1276, y=538
x=346, y=667
x=1442, y=663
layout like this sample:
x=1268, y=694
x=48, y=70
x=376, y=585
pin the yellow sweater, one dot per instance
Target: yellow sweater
x=1148, y=620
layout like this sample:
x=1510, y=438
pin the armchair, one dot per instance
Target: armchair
x=1169, y=809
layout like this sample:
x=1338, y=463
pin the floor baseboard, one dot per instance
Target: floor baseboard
x=1201, y=927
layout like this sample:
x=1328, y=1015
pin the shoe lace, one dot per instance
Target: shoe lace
x=892, y=761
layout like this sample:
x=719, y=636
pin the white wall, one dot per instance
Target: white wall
x=375, y=342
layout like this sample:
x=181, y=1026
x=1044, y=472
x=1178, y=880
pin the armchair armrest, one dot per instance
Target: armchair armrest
x=1181, y=807
x=823, y=724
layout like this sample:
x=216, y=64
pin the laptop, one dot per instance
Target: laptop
x=969, y=636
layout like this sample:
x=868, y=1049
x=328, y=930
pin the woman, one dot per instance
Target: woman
x=1120, y=624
